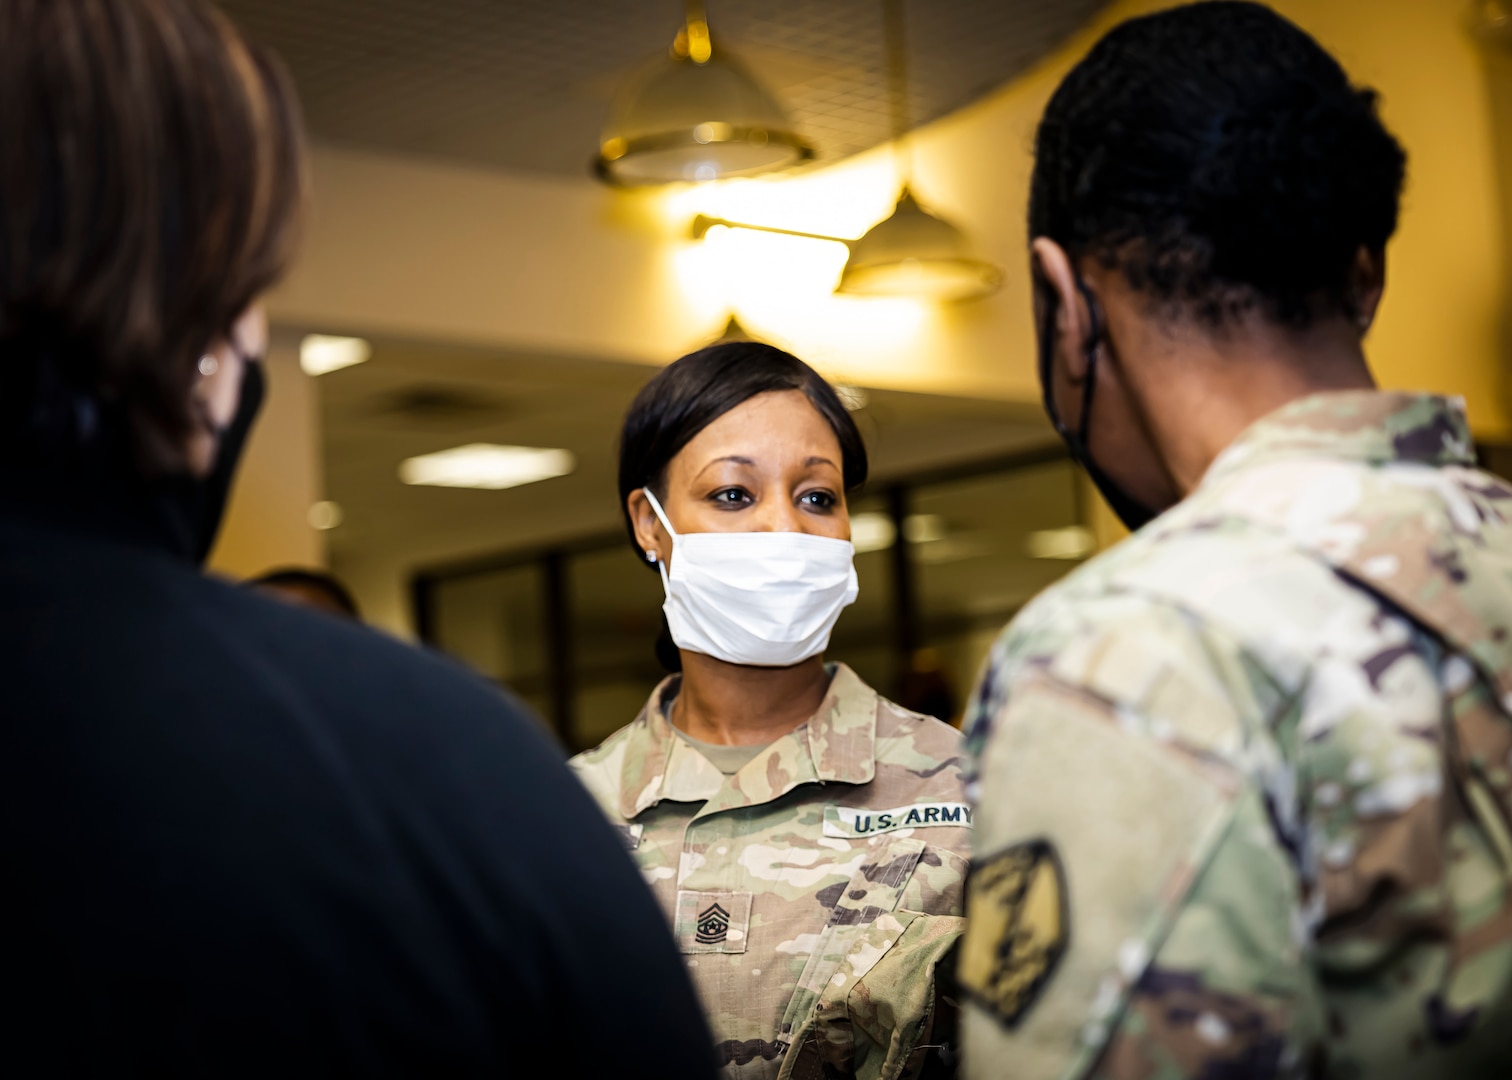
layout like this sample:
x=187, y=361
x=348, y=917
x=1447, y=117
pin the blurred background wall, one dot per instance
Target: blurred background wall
x=504, y=296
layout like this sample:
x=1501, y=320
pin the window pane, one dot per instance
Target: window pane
x=496, y=623
x=615, y=614
x=863, y=637
x=981, y=549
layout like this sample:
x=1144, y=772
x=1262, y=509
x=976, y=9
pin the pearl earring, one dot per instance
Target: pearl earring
x=650, y=556
x=208, y=365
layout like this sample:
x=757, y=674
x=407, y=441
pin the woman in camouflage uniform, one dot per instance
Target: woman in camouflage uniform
x=806, y=837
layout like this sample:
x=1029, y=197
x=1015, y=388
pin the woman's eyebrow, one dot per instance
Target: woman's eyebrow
x=736, y=458
x=821, y=461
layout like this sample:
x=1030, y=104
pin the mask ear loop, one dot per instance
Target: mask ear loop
x=1094, y=338
x=1077, y=438
x=661, y=565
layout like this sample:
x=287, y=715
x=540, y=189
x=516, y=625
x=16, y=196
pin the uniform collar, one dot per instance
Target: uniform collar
x=1443, y=561
x=835, y=745
x=1369, y=426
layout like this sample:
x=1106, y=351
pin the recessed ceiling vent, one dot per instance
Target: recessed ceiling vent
x=434, y=406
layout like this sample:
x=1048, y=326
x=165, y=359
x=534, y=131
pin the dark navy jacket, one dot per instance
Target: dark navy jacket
x=242, y=838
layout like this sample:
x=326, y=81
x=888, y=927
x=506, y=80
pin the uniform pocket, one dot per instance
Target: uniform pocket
x=881, y=1015
x=937, y=885
x=873, y=891
x=713, y=922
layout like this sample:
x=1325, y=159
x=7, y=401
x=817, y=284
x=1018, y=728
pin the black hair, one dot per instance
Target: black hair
x=691, y=393
x=1219, y=157
x=315, y=581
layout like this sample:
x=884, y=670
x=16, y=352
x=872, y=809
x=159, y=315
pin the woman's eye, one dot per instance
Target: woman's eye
x=732, y=497
x=819, y=500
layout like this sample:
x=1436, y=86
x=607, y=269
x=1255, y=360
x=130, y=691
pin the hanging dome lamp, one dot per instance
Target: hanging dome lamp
x=912, y=252
x=695, y=115
x=915, y=253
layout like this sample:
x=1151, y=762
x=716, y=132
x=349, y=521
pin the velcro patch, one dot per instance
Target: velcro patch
x=713, y=922
x=1016, y=930
x=849, y=822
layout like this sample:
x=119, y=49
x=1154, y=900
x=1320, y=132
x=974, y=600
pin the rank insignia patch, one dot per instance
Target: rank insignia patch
x=712, y=922
x=713, y=925
x=1016, y=928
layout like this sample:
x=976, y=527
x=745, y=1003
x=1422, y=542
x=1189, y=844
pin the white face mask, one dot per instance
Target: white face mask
x=767, y=599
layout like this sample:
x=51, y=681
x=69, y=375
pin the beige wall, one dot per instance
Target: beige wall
x=267, y=521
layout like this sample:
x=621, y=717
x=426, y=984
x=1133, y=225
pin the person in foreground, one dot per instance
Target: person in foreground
x=242, y=838
x=1243, y=781
x=806, y=837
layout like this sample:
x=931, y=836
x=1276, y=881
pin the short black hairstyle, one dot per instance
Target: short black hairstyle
x=691, y=393
x=314, y=581
x=1219, y=157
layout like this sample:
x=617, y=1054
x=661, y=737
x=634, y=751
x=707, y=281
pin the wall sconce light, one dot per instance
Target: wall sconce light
x=910, y=253
x=697, y=115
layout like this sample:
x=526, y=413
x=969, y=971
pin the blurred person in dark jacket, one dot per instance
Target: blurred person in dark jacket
x=240, y=838
x=309, y=588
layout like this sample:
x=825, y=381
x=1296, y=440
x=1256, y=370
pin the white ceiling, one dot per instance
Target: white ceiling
x=527, y=85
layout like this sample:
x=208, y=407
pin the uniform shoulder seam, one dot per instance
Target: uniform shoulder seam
x=592, y=755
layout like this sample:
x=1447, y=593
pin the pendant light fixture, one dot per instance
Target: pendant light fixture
x=733, y=330
x=912, y=252
x=695, y=115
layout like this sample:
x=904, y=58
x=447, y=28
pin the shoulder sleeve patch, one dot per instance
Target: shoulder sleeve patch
x=1016, y=929
x=1093, y=833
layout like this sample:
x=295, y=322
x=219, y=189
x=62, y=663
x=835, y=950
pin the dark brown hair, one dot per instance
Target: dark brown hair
x=151, y=185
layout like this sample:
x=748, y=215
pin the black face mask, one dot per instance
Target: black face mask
x=1133, y=513
x=194, y=506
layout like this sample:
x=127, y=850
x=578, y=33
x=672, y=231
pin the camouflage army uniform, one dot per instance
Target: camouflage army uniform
x=1244, y=779
x=815, y=889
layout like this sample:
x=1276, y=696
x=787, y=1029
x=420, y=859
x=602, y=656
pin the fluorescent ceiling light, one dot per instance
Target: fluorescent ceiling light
x=872, y=531
x=875, y=531
x=923, y=528
x=936, y=552
x=321, y=354
x=325, y=515
x=1072, y=542
x=485, y=465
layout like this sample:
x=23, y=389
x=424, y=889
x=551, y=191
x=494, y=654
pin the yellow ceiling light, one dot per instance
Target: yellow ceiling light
x=912, y=253
x=696, y=115
x=915, y=253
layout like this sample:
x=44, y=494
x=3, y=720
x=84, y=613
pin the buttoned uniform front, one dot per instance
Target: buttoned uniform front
x=813, y=891
x=1245, y=780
